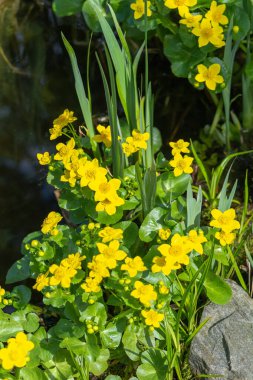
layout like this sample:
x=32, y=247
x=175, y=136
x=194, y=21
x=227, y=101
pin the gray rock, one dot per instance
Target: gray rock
x=224, y=346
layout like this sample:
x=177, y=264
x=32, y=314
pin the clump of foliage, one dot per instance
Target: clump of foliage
x=123, y=266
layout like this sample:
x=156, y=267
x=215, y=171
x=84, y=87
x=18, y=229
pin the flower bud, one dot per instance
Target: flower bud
x=126, y=288
x=5, y=302
x=89, y=326
x=95, y=328
x=90, y=331
x=131, y=320
x=35, y=243
x=127, y=281
x=121, y=281
x=151, y=328
x=236, y=29
x=91, y=226
x=41, y=253
x=91, y=301
x=27, y=246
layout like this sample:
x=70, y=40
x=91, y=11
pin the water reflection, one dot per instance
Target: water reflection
x=36, y=85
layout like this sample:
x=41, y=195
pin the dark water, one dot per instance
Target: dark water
x=36, y=85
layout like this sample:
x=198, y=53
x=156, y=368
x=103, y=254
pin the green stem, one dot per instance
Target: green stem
x=236, y=268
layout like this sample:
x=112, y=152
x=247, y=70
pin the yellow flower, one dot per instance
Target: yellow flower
x=191, y=21
x=215, y=14
x=181, y=5
x=164, y=233
x=224, y=220
x=98, y=268
x=65, y=151
x=132, y=266
x=55, y=132
x=16, y=352
x=139, y=139
x=181, y=164
x=109, y=206
x=139, y=8
x=65, y=118
x=145, y=293
x=91, y=174
x=209, y=33
x=163, y=289
x=135, y=142
x=50, y=222
x=73, y=261
x=41, y=281
x=71, y=169
x=91, y=285
x=44, y=158
x=109, y=233
x=163, y=264
x=180, y=146
x=61, y=275
x=225, y=238
x=152, y=317
x=104, y=135
x=2, y=293
x=195, y=241
x=209, y=75
x=110, y=254
x=128, y=149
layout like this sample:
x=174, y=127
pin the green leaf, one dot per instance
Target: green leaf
x=170, y=187
x=19, y=271
x=24, y=295
x=217, y=290
x=96, y=357
x=130, y=232
x=90, y=14
x=154, y=365
x=151, y=224
x=95, y=312
x=182, y=58
x=111, y=335
x=113, y=377
x=67, y=329
x=74, y=345
x=129, y=341
x=157, y=139
x=32, y=374
x=66, y=7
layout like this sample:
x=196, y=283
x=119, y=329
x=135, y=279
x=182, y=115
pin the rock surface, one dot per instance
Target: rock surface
x=224, y=346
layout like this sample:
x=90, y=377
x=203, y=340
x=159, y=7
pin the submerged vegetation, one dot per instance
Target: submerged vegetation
x=124, y=268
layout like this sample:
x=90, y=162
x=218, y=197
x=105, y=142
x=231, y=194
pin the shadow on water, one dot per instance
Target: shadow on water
x=36, y=85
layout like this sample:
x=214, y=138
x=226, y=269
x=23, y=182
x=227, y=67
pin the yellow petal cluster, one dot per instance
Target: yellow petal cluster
x=145, y=293
x=181, y=164
x=181, y=5
x=104, y=135
x=16, y=352
x=44, y=158
x=60, y=122
x=152, y=317
x=2, y=293
x=50, y=223
x=135, y=142
x=132, y=266
x=226, y=222
x=109, y=233
x=209, y=75
x=139, y=8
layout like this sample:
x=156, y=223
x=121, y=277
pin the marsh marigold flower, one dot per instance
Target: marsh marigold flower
x=215, y=14
x=152, y=317
x=73, y=261
x=110, y=253
x=191, y=21
x=135, y=142
x=180, y=146
x=209, y=33
x=181, y=5
x=49, y=224
x=224, y=220
x=209, y=75
x=44, y=158
x=65, y=118
x=225, y=238
x=164, y=233
x=91, y=285
x=65, y=151
x=109, y=233
x=195, y=240
x=139, y=9
x=16, y=352
x=41, y=282
x=181, y=164
x=2, y=293
x=61, y=275
x=104, y=135
x=91, y=174
x=132, y=266
x=145, y=293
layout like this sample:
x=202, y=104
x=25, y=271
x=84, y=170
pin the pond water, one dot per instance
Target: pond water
x=36, y=84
